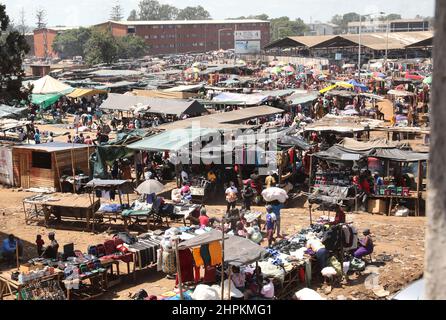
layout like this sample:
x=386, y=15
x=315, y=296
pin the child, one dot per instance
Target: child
x=39, y=243
x=270, y=224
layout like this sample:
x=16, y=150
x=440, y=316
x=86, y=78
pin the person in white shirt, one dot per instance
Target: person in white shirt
x=184, y=176
x=231, y=196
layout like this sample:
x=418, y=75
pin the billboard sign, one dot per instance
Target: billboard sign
x=247, y=47
x=247, y=35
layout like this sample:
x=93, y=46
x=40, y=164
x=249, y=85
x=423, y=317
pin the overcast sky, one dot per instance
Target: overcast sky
x=88, y=12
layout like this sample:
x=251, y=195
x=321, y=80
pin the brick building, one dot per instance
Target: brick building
x=170, y=37
x=43, y=41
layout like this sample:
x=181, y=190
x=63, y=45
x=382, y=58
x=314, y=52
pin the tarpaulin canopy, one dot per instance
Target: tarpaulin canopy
x=354, y=145
x=172, y=140
x=106, y=154
x=10, y=112
x=357, y=84
x=205, y=238
x=45, y=100
x=238, y=251
x=400, y=155
x=48, y=84
x=400, y=93
x=79, y=93
x=302, y=98
x=337, y=153
x=241, y=99
x=194, y=87
x=163, y=94
x=123, y=102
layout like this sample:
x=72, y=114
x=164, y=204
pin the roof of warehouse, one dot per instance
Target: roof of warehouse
x=374, y=41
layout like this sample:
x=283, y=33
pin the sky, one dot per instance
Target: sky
x=90, y=12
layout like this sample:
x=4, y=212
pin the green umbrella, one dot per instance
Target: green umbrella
x=428, y=80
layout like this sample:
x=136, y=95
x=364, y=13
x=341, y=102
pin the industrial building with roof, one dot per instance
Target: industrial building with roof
x=374, y=45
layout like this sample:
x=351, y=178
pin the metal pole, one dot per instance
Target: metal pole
x=359, y=48
x=387, y=41
x=222, y=258
x=180, y=282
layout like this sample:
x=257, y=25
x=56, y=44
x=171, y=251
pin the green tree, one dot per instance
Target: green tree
x=116, y=12
x=13, y=48
x=130, y=47
x=71, y=43
x=102, y=47
x=133, y=16
x=148, y=10
x=167, y=12
x=344, y=20
x=284, y=27
x=40, y=18
x=194, y=13
x=389, y=17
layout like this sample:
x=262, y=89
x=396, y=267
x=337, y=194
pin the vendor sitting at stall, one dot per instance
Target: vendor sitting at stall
x=204, y=219
x=339, y=217
x=366, y=245
x=379, y=181
x=185, y=191
x=238, y=278
x=9, y=248
x=51, y=251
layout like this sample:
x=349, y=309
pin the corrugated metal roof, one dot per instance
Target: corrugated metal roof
x=172, y=140
x=52, y=146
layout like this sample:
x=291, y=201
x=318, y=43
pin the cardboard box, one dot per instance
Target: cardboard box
x=377, y=206
x=27, y=267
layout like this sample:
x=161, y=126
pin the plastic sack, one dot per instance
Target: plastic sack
x=274, y=194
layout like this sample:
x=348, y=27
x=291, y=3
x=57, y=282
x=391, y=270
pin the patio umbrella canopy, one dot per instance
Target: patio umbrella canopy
x=150, y=186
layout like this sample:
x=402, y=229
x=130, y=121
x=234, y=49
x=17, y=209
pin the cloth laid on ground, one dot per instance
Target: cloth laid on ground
x=270, y=270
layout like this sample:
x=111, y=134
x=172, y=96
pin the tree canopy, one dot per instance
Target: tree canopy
x=153, y=10
x=13, y=48
x=72, y=42
x=116, y=13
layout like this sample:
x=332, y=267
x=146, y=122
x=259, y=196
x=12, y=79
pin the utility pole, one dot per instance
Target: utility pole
x=359, y=48
x=435, y=259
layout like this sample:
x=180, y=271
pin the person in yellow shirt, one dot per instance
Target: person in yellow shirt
x=212, y=177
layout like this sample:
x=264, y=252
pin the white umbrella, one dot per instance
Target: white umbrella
x=150, y=186
x=273, y=194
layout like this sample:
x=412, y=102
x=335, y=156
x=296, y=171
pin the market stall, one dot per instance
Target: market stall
x=61, y=205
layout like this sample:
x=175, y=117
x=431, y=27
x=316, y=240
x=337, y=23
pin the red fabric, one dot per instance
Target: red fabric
x=186, y=266
x=365, y=186
x=197, y=274
x=291, y=154
x=302, y=275
x=204, y=220
x=110, y=247
x=210, y=274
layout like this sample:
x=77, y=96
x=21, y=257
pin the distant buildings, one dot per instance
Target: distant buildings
x=373, y=26
x=322, y=29
x=167, y=37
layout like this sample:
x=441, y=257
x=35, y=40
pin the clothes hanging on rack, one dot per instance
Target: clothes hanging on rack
x=186, y=266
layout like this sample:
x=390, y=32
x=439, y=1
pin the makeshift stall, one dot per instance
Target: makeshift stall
x=61, y=205
x=107, y=190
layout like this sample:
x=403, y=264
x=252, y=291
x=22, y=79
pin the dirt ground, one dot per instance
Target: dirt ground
x=399, y=239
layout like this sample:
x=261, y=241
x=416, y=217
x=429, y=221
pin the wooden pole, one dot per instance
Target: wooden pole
x=17, y=253
x=229, y=283
x=58, y=171
x=180, y=282
x=222, y=258
x=73, y=169
x=419, y=182
x=310, y=174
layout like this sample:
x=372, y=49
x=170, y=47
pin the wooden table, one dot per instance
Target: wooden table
x=390, y=198
x=101, y=276
x=67, y=205
x=9, y=286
